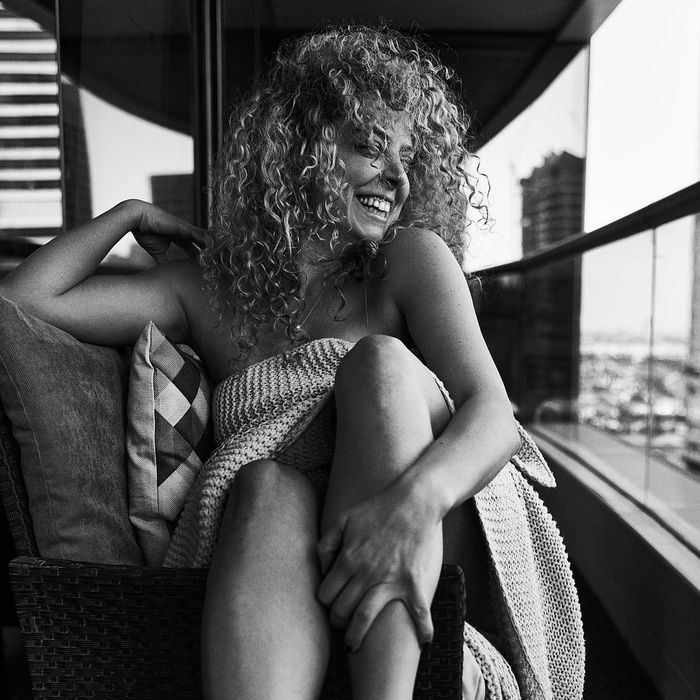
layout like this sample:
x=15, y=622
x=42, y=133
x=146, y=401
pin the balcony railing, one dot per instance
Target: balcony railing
x=597, y=338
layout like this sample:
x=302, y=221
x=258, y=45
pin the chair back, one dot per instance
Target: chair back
x=12, y=491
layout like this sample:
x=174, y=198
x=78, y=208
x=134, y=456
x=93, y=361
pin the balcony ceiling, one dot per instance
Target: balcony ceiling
x=505, y=52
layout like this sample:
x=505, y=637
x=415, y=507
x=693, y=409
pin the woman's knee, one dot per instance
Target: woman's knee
x=267, y=485
x=379, y=365
x=373, y=361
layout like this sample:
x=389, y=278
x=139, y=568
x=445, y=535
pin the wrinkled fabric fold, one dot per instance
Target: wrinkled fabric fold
x=263, y=410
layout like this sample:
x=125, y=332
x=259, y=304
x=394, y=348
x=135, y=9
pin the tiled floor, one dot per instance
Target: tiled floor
x=612, y=672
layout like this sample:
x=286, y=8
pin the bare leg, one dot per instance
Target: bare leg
x=264, y=633
x=388, y=411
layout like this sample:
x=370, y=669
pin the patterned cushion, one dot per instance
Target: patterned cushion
x=169, y=436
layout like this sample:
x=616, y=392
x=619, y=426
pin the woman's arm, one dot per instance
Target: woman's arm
x=434, y=298
x=57, y=283
x=391, y=535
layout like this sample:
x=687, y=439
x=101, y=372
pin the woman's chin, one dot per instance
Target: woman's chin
x=364, y=228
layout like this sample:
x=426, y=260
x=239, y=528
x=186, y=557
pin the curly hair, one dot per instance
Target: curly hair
x=278, y=181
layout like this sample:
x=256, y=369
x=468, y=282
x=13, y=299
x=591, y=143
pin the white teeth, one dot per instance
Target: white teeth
x=380, y=204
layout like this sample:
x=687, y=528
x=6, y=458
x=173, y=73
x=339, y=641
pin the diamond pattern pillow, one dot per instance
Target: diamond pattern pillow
x=169, y=436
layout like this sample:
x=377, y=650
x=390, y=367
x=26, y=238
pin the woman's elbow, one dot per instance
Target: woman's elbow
x=12, y=293
x=513, y=440
x=509, y=435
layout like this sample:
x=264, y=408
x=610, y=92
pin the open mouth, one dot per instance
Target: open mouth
x=375, y=205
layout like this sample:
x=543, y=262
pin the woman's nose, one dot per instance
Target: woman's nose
x=393, y=172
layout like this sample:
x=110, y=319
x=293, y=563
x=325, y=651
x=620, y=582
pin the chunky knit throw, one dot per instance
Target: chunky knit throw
x=264, y=412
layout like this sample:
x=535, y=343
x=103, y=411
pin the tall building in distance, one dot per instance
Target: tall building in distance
x=30, y=160
x=552, y=201
x=33, y=179
x=552, y=210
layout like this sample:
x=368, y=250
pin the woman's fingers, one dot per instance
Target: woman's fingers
x=159, y=256
x=329, y=546
x=333, y=583
x=199, y=236
x=346, y=603
x=155, y=223
x=189, y=235
x=362, y=610
x=419, y=609
x=192, y=249
x=375, y=600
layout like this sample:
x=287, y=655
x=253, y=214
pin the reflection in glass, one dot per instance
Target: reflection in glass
x=548, y=136
x=676, y=346
x=639, y=357
x=615, y=338
x=126, y=106
x=630, y=86
x=620, y=382
x=674, y=443
x=550, y=323
x=498, y=303
x=30, y=176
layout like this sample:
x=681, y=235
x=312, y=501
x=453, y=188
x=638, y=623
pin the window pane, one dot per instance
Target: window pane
x=673, y=487
x=30, y=176
x=615, y=326
x=644, y=107
x=536, y=168
x=127, y=94
x=498, y=302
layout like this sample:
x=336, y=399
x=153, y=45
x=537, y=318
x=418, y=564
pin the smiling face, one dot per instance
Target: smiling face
x=376, y=183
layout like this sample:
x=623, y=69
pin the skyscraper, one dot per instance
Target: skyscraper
x=552, y=201
x=30, y=162
x=33, y=114
x=552, y=209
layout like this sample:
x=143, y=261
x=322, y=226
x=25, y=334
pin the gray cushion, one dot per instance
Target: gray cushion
x=65, y=400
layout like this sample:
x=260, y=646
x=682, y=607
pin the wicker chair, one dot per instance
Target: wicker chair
x=108, y=631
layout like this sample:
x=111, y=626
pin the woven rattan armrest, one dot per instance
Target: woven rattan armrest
x=107, y=631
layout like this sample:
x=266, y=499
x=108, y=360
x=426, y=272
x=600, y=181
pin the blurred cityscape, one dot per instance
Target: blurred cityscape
x=646, y=395
x=647, y=403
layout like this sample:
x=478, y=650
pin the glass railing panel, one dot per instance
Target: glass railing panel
x=550, y=307
x=498, y=302
x=673, y=479
x=616, y=299
x=127, y=100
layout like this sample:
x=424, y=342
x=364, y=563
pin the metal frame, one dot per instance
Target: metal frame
x=682, y=203
x=207, y=53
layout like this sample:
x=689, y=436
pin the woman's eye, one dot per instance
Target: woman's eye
x=370, y=148
x=407, y=161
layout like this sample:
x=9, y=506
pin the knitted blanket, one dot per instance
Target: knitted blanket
x=264, y=412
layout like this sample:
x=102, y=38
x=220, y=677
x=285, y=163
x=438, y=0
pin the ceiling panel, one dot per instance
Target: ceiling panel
x=455, y=15
x=506, y=52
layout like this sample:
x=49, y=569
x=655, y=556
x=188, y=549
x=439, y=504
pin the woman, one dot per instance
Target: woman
x=342, y=201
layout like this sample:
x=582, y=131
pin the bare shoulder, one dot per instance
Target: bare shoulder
x=417, y=255
x=432, y=294
x=184, y=277
x=415, y=241
x=182, y=282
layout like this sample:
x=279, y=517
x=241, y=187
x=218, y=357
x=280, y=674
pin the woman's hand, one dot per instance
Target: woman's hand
x=156, y=229
x=385, y=548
